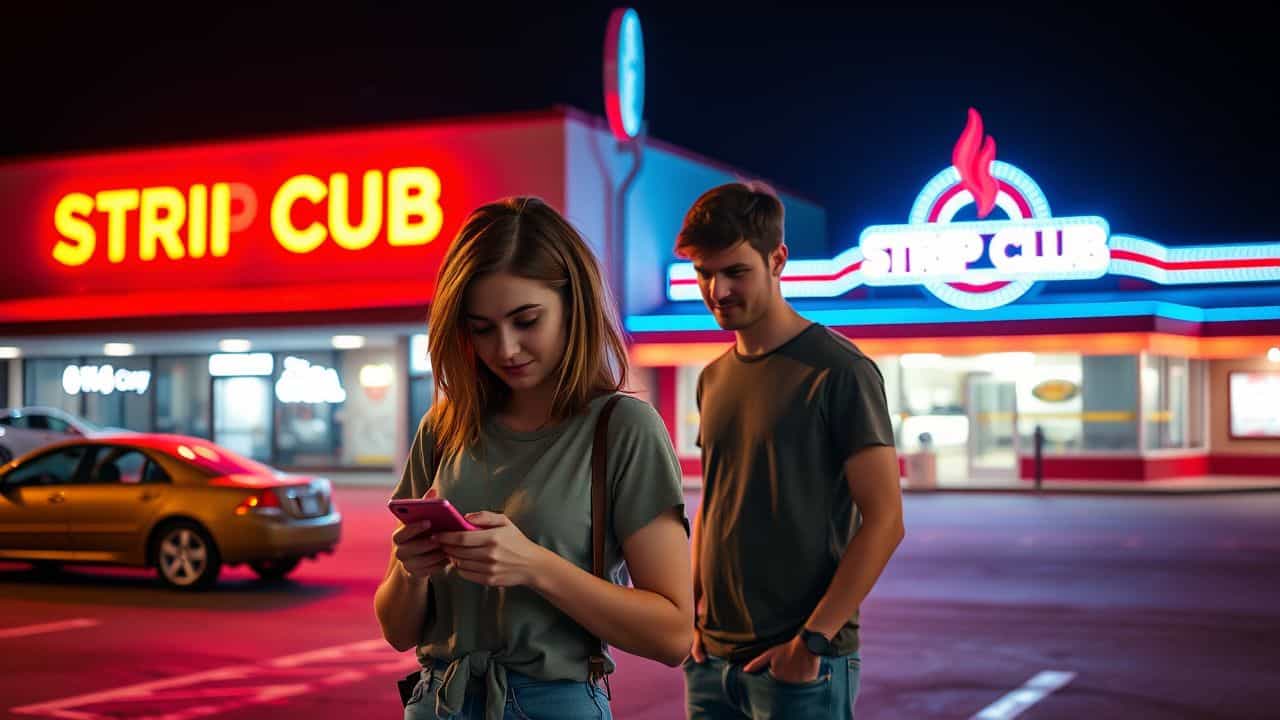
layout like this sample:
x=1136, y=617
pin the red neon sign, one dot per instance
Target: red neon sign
x=334, y=221
x=974, y=164
x=173, y=224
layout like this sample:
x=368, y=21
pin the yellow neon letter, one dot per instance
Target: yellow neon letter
x=424, y=204
x=152, y=227
x=198, y=221
x=69, y=219
x=220, y=219
x=362, y=235
x=117, y=204
x=289, y=237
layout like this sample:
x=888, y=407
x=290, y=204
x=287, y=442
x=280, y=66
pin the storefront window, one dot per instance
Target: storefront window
x=422, y=392
x=1196, y=399
x=370, y=376
x=933, y=389
x=891, y=371
x=309, y=396
x=1165, y=397
x=1049, y=396
x=182, y=395
x=43, y=384
x=117, y=391
x=687, y=418
x=1110, y=402
x=422, y=384
x=242, y=415
x=978, y=413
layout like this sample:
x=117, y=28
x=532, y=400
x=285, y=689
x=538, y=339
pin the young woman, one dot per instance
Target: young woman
x=526, y=352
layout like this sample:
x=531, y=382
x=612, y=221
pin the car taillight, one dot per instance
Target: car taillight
x=263, y=501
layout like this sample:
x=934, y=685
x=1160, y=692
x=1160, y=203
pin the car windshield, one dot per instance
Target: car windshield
x=221, y=461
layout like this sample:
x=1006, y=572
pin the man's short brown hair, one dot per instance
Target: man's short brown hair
x=729, y=214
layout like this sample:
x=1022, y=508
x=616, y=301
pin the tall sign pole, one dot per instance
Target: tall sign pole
x=624, y=107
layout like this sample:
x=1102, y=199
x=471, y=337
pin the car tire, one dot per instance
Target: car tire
x=275, y=570
x=5, y=454
x=185, y=557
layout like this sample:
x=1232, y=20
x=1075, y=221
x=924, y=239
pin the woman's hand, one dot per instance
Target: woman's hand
x=497, y=555
x=417, y=550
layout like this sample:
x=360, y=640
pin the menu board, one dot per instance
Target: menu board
x=1255, y=404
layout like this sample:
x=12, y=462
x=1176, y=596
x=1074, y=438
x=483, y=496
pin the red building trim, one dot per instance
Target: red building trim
x=1143, y=469
x=665, y=400
x=1252, y=465
x=664, y=395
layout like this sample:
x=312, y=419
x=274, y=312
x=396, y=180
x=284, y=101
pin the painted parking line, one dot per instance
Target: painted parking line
x=212, y=692
x=1032, y=692
x=25, y=630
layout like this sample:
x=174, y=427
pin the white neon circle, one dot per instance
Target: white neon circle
x=949, y=178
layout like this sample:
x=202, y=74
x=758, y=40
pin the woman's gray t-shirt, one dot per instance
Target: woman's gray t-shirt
x=541, y=480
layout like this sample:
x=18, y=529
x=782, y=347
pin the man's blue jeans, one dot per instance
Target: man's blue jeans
x=718, y=690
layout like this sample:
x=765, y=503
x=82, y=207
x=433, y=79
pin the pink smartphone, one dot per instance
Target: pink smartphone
x=444, y=516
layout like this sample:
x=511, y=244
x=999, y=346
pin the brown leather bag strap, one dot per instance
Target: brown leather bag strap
x=600, y=518
x=600, y=486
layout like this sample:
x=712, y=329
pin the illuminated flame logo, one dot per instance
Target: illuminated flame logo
x=974, y=164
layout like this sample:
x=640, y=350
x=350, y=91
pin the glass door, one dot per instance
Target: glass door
x=993, y=428
x=242, y=415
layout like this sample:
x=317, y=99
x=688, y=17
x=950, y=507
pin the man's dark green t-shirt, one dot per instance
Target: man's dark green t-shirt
x=776, y=514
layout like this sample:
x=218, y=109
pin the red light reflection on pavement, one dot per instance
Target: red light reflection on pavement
x=224, y=689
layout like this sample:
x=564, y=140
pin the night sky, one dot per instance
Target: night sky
x=1163, y=121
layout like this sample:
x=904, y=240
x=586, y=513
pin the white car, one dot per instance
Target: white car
x=29, y=428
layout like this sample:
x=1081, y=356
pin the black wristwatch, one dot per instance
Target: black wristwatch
x=817, y=643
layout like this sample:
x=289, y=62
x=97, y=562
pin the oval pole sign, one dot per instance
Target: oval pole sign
x=624, y=74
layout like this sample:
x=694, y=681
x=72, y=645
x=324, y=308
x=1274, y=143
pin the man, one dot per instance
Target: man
x=796, y=446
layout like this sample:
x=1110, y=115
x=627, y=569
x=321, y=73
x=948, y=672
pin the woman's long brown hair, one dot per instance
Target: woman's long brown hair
x=526, y=237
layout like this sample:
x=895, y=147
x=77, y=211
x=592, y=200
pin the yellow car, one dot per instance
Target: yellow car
x=179, y=504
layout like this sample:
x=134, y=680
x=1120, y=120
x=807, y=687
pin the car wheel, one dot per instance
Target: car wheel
x=275, y=569
x=5, y=454
x=185, y=556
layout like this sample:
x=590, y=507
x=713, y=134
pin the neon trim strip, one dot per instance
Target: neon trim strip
x=1131, y=256
x=1200, y=264
x=937, y=315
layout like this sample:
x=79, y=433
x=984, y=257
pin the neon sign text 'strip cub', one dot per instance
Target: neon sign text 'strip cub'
x=402, y=205
x=164, y=214
x=1048, y=248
